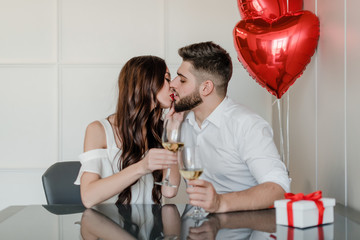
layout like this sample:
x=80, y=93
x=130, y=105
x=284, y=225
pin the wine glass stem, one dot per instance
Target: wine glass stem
x=197, y=210
x=167, y=175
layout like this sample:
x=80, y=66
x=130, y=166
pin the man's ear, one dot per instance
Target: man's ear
x=207, y=87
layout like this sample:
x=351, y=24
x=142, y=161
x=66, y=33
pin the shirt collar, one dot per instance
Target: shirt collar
x=190, y=117
x=214, y=117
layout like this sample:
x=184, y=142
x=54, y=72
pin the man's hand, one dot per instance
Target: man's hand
x=207, y=230
x=203, y=194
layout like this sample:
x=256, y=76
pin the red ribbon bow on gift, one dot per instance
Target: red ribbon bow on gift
x=315, y=196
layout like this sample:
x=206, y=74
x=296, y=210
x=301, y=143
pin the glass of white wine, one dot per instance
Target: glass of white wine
x=171, y=141
x=190, y=168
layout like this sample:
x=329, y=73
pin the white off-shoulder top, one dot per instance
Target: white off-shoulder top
x=104, y=162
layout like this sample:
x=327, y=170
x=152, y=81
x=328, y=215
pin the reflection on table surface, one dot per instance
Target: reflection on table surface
x=129, y=222
x=108, y=221
x=156, y=222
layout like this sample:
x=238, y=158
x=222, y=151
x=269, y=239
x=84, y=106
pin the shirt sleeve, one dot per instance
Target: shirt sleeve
x=95, y=161
x=262, y=157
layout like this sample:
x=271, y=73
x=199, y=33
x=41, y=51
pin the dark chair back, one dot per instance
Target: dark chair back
x=58, y=182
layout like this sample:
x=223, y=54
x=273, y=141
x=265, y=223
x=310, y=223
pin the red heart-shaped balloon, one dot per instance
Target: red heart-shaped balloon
x=267, y=9
x=276, y=53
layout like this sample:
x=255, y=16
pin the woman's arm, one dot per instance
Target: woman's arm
x=174, y=178
x=171, y=220
x=95, y=226
x=95, y=189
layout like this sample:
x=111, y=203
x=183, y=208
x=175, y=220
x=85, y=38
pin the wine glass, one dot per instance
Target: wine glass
x=166, y=237
x=171, y=141
x=190, y=168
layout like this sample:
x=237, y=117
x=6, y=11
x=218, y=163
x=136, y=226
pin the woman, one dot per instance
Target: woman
x=122, y=154
x=137, y=221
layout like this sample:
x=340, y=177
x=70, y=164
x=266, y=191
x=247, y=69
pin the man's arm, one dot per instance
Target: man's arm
x=263, y=221
x=262, y=196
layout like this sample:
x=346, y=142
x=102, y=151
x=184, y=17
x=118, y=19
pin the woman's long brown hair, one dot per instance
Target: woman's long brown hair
x=138, y=124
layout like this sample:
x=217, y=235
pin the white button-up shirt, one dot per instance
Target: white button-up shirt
x=236, y=148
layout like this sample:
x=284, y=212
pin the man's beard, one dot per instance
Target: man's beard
x=188, y=102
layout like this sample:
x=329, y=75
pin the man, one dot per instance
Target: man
x=242, y=167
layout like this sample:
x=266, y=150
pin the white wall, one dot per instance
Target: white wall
x=352, y=102
x=59, y=61
x=324, y=108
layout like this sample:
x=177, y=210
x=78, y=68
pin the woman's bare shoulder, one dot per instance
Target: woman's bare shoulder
x=95, y=137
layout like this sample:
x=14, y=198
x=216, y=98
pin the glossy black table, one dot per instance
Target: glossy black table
x=108, y=221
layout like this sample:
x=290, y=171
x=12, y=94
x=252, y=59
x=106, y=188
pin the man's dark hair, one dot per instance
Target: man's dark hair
x=210, y=59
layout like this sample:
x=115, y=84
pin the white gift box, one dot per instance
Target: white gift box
x=305, y=212
x=322, y=232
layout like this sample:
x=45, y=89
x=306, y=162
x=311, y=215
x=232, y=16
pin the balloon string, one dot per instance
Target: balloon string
x=281, y=133
x=287, y=132
x=287, y=5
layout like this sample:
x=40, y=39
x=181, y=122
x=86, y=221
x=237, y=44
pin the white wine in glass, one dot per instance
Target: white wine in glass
x=190, y=168
x=170, y=141
x=191, y=174
x=174, y=147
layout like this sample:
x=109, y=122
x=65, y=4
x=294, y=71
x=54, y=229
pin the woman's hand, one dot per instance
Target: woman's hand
x=179, y=116
x=157, y=159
